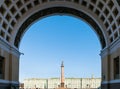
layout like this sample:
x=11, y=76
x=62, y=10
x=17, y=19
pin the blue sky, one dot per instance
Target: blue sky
x=53, y=39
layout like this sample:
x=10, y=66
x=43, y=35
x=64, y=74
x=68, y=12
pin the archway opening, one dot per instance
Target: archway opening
x=60, y=38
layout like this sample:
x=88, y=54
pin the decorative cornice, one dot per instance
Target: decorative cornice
x=6, y=46
x=111, y=48
x=104, y=52
x=115, y=45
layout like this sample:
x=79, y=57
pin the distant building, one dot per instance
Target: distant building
x=61, y=83
x=71, y=83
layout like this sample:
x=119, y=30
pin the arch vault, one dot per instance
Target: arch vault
x=17, y=15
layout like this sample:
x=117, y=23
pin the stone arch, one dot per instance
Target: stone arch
x=102, y=15
x=60, y=10
x=100, y=9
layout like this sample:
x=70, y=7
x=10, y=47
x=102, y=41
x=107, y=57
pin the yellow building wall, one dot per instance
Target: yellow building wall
x=11, y=65
x=105, y=65
x=114, y=55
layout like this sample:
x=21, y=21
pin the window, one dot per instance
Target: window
x=1, y=67
x=116, y=68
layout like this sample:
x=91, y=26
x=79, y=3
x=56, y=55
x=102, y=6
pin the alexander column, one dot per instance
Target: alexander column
x=62, y=75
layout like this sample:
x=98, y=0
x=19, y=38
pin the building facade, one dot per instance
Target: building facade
x=62, y=82
x=17, y=15
x=70, y=83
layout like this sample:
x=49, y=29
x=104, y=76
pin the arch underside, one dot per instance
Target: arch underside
x=59, y=10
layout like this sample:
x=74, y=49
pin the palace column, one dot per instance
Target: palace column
x=62, y=75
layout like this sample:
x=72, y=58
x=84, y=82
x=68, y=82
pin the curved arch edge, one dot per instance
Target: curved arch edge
x=59, y=10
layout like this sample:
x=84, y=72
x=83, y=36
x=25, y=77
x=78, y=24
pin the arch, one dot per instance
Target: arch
x=60, y=10
x=102, y=15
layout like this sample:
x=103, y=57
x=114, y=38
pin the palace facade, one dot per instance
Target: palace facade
x=70, y=83
x=62, y=82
